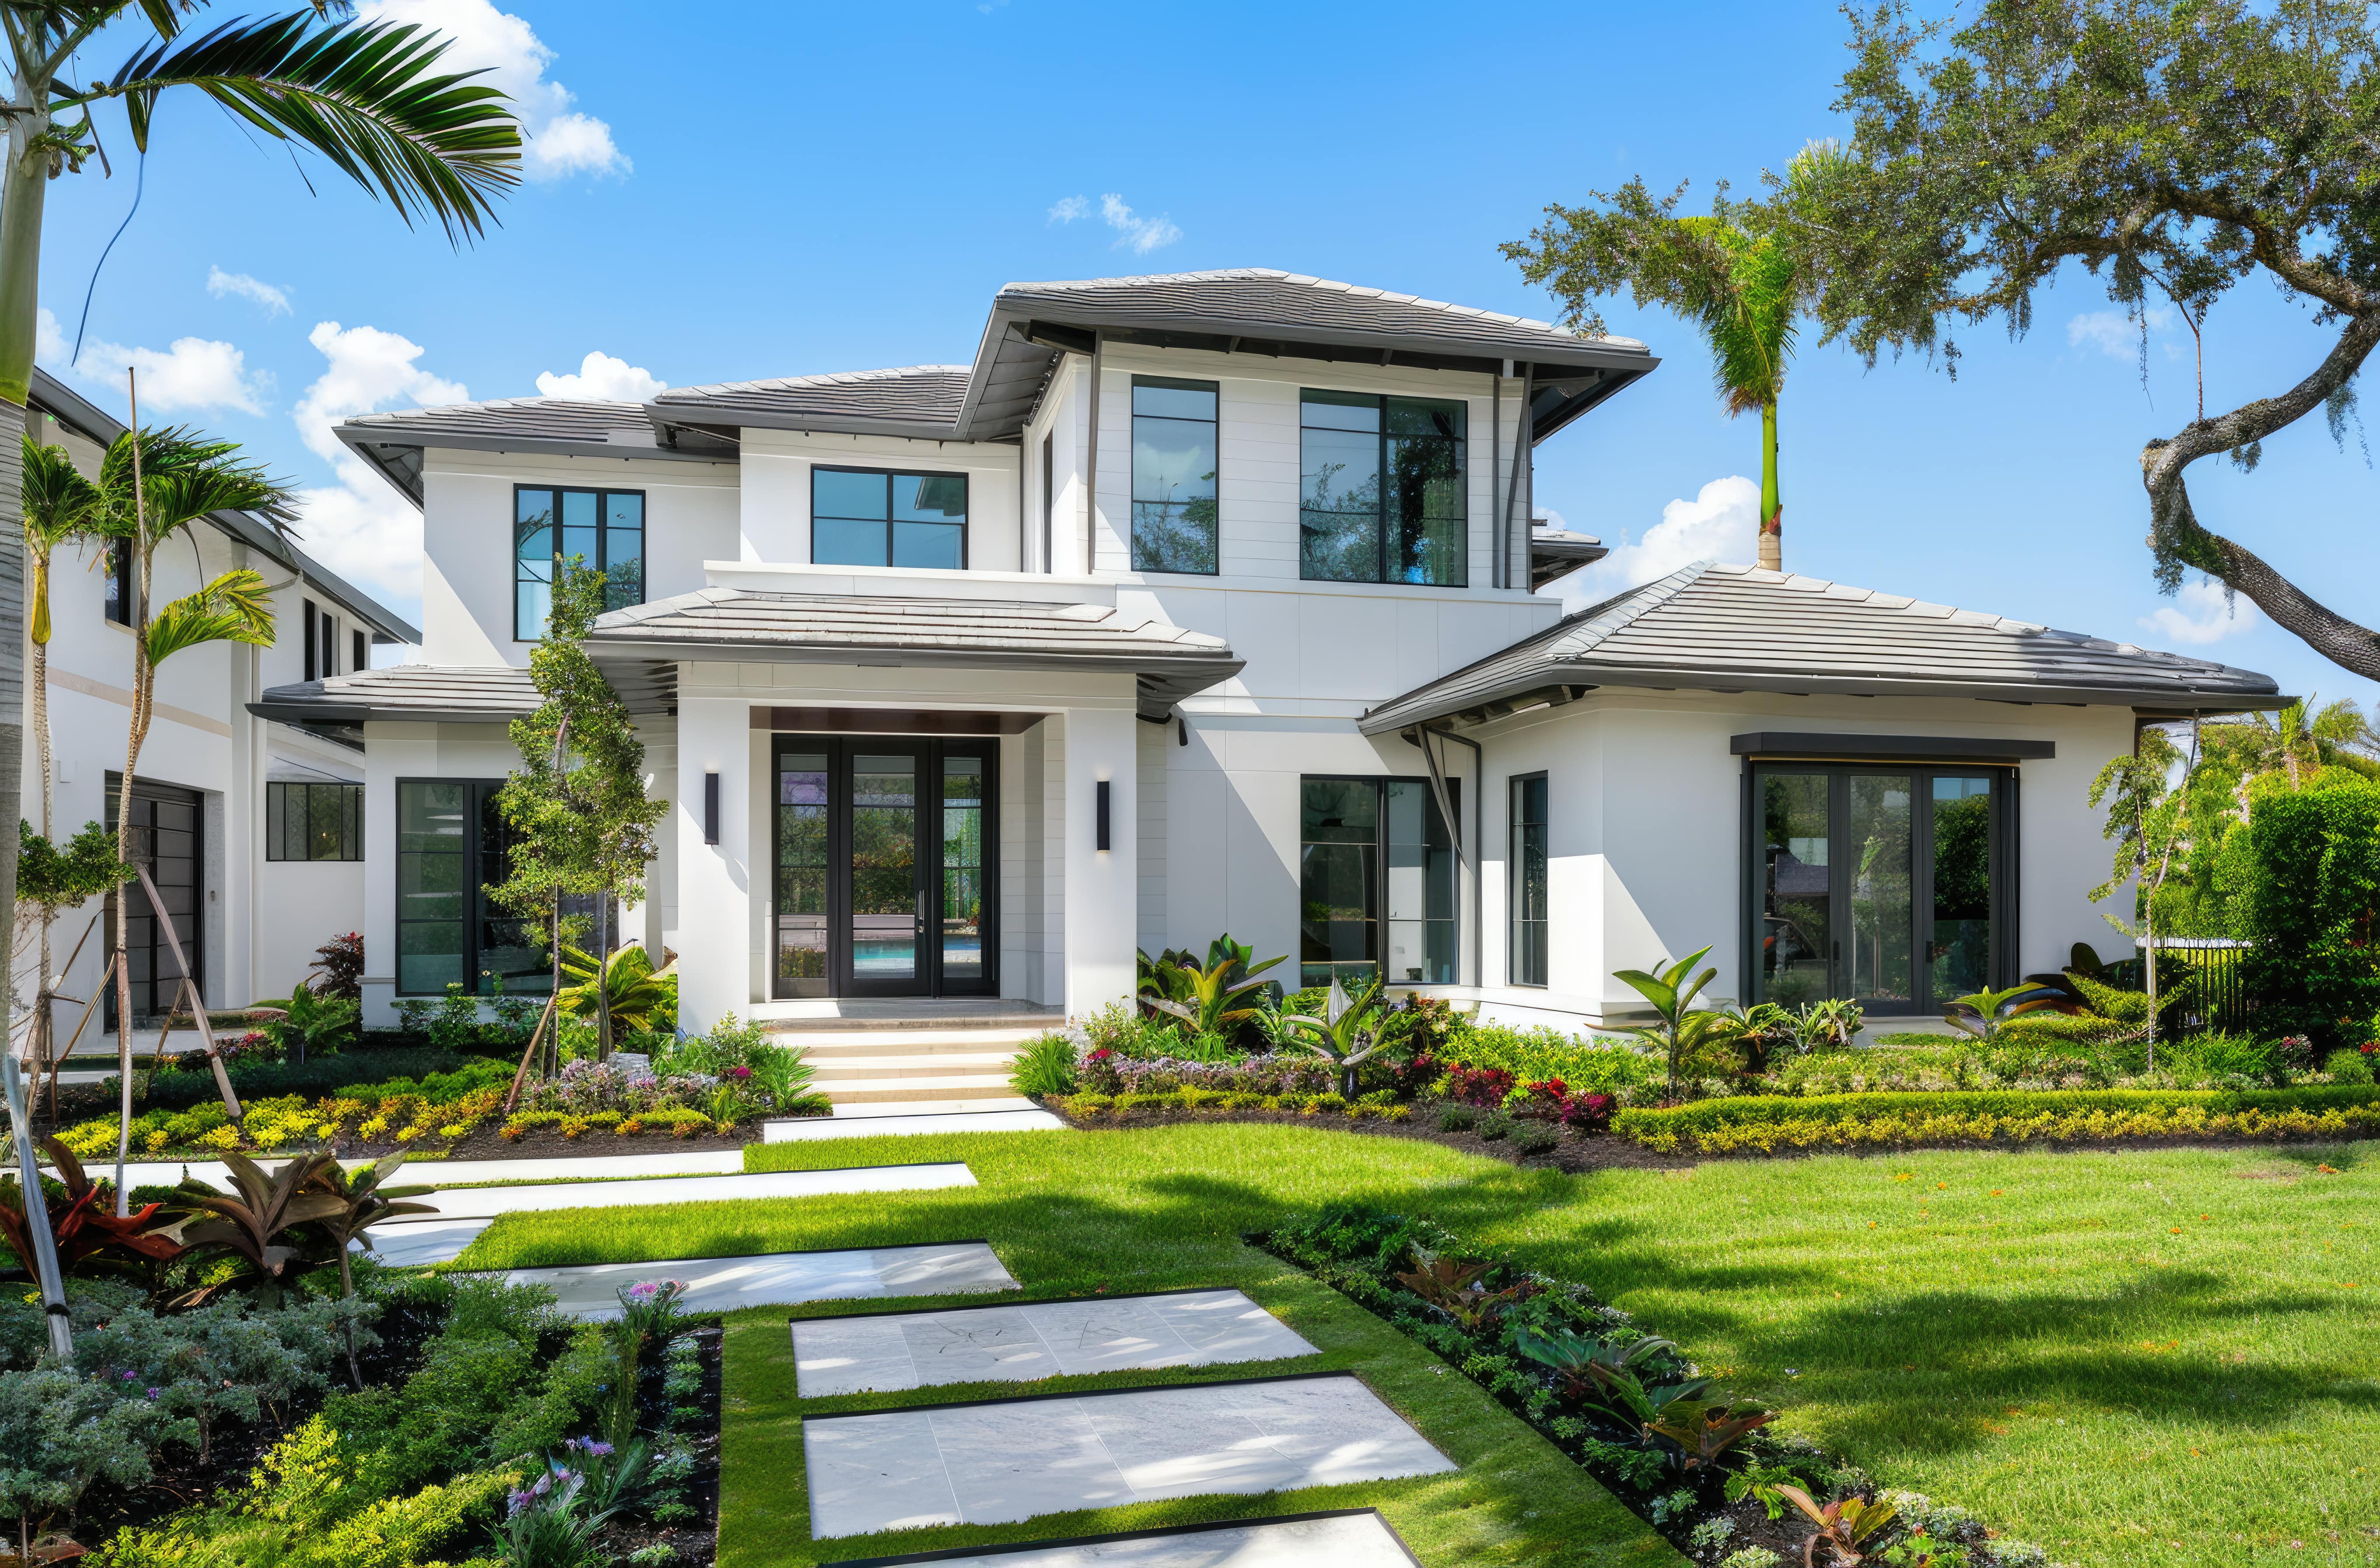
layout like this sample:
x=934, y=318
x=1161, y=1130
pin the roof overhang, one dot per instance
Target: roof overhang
x=396, y=451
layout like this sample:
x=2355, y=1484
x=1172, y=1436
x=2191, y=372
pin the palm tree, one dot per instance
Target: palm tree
x=153, y=485
x=1741, y=274
x=60, y=505
x=2298, y=741
x=367, y=98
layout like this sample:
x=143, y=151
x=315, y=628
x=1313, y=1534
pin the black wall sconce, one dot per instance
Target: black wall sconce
x=711, y=807
x=1104, y=844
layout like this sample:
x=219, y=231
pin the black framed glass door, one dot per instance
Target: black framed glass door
x=1888, y=884
x=884, y=867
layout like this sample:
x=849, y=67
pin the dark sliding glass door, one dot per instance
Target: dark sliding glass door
x=885, y=866
x=1888, y=884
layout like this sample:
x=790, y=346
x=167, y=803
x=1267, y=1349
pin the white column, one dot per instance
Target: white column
x=1102, y=886
x=715, y=920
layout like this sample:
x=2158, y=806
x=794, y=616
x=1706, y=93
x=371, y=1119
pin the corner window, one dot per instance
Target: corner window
x=1377, y=885
x=1381, y=496
x=451, y=845
x=1526, y=869
x=603, y=529
x=313, y=821
x=869, y=517
x=1174, y=474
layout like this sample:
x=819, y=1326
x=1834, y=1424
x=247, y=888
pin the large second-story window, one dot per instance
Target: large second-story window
x=1173, y=475
x=604, y=529
x=1381, y=494
x=871, y=518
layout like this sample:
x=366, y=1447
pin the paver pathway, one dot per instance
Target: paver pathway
x=875, y=1121
x=1009, y=1460
x=1332, y=1541
x=724, y=1285
x=1021, y=1343
x=464, y=1172
x=466, y=1203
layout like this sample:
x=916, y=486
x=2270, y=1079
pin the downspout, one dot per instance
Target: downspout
x=1479, y=829
x=1024, y=450
x=1091, y=464
x=1495, y=456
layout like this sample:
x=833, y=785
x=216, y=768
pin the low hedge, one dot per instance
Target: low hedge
x=1377, y=1106
x=1766, y=1123
x=174, y=1088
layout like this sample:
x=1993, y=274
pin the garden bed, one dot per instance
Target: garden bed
x=1572, y=1153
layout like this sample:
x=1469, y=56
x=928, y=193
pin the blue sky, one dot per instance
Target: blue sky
x=790, y=189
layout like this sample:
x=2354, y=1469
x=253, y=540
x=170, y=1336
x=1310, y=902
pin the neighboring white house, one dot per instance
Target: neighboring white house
x=1203, y=604
x=252, y=830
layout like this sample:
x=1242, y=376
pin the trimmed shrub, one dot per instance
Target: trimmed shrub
x=1769, y=1123
x=2309, y=901
x=174, y=1090
x=1535, y=1056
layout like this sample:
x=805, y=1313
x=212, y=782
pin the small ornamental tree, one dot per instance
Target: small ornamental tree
x=576, y=806
x=2147, y=795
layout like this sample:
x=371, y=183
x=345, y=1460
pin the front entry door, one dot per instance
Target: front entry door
x=883, y=867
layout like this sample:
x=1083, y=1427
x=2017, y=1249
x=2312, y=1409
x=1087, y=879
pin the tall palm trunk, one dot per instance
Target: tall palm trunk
x=37, y=1042
x=24, y=185
x=1772, y=509
x=143, y=677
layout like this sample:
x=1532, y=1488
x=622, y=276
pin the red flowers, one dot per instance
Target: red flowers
x=1483, y=1086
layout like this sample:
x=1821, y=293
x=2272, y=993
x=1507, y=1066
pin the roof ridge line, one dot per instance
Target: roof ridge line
x=1620, y=610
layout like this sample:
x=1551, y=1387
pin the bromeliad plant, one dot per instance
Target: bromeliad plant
x=1454, y=1289
x=1986, y=1012
x=85, y=1231
x=1682, y=1031
x=1212, y=997
x=1844, y=1527
x=367, y=1200
x=1351, y=1030
x=252, y=1224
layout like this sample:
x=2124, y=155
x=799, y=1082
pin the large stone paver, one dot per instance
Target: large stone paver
x=1021, y=1343
x=725, y=1284
x=476, y=1202
x=464, y=1172
x=1345, y=1541
x=1010, y=1460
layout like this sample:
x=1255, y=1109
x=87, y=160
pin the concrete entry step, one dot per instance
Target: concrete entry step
x=880, y=1092
x=1346, y=1538
x=824, y=1047
x=828, y=1069
x=912, y=1116
x=903, y=1012
x=1025, y=1343
x=1003, y=1461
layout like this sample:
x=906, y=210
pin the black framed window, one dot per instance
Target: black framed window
x=1526, y=867
x=360, y=654
x=1892, y=883
x=1173, y=467
x=875, y=517
x=306, y=820
x=1376, y=881
x=604, y=529
x=1381, y=496
x=117, y=604
x=452, y=844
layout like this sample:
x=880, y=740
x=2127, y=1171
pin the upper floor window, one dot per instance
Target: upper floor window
x=604, y=529
x=313, y=821
x=869, y=517
x=1381, y=496
x=1173, y=475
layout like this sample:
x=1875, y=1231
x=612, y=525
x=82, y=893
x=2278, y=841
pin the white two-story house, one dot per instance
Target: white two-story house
x=252, y=831
x=1204, y=603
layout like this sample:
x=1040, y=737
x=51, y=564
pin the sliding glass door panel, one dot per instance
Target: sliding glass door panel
x=1959, y=954
x=1796, y=902
x=887, y=899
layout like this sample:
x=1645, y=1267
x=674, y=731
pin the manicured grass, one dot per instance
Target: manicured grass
x=2163, y=1357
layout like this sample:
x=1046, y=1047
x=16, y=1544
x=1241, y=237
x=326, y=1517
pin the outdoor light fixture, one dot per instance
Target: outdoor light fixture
x=711, y=807
x=1103, y=816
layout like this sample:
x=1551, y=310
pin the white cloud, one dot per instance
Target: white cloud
x=1140, y=235
x=1546, y=517
x=220, y=282
x=2115, y=333
x=360, y=527
x=2203, y=612
x=1069, y=208
x=556, y=140
x=195, y=374
x=1721, y=523
x=603, y=379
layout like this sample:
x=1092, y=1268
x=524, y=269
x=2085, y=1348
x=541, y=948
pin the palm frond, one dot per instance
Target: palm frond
x=236, y=607
x=363, y=95
x=59, y=502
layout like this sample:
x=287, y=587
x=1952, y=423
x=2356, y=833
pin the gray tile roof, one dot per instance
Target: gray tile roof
x=830, y=630
x=919, y=399
x=393, y=442
x=492, y=694
x=1737, y=629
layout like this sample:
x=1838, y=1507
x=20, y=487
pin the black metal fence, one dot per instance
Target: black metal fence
x=2222, y=999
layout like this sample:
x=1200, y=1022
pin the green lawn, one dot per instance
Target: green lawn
x=2166, y=1357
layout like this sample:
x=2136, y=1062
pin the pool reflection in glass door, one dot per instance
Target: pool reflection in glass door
x=887, y=897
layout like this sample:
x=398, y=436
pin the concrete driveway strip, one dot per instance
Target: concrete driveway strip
x=1346, y=1540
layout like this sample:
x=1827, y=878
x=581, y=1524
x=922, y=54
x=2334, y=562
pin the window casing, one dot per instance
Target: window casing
x=306, y=820
x=1174, y=468
x=451, y=847
x=1381, y=494
x=1527, y=869
x=887, y=517
x=1377, y=882
x=117, y=605
x=360, y=654
x=603, y=529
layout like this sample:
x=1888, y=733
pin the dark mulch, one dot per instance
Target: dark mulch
x=695, y=1540
x=1574, y=1153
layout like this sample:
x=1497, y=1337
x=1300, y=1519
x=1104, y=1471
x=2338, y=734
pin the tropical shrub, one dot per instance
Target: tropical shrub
x=178, y=1086
x=1045, y=1067
x=2309, y=902
x=1538, y=1054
